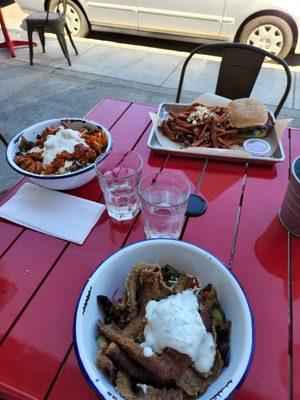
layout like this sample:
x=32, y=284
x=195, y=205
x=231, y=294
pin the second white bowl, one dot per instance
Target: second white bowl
x=67, y=181
x=111, y=275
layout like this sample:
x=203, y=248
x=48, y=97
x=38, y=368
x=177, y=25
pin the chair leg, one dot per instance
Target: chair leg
x=29, y=33
x=62, y=41
x=71, y=39
x=41, y=32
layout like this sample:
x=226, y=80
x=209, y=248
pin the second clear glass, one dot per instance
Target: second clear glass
x=164, y=198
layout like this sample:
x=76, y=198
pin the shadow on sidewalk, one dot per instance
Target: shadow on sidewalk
x=292, y=59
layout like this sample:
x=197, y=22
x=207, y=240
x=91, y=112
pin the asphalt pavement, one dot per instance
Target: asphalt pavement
x=111, y=65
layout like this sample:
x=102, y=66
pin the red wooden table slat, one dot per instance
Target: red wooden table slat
x=295, y=264
x=22, y=268
x=222, y=188
x=8, y=231
x=108, y=111
x=35, y=348
x=189, y=168
x=71, y=383
x=264, y=276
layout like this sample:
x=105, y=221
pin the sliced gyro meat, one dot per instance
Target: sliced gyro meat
x=163, y=366
x=121, y=360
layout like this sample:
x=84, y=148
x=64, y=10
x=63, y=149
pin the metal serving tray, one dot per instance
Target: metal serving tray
x=153, y=143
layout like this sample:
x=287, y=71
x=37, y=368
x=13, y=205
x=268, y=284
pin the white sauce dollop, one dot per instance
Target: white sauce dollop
x=64, y=139
x=176, y=322
x=36, y=150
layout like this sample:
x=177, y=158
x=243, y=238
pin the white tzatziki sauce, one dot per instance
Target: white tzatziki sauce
x=36, y=149
x=175, y=322
x=64, y=139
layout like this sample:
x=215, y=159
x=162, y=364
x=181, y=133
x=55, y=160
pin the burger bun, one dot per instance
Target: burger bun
x=247, y=112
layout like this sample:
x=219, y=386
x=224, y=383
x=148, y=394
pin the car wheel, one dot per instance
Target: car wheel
x=270, y=33
x=75, y=18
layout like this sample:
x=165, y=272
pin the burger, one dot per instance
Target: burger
x=250, y=118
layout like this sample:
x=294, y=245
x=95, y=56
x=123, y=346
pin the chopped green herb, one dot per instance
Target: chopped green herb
x=170, y=275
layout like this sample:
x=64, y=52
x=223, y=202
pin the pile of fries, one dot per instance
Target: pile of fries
x=210, y=130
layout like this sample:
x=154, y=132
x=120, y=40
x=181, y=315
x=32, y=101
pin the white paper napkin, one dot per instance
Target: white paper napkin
x=54, y=213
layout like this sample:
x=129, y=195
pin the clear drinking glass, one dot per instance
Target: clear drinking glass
x=119, y=175
x=164, y=198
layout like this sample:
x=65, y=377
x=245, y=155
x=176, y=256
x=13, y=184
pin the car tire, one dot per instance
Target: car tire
x=270, y=33
x=75, y=18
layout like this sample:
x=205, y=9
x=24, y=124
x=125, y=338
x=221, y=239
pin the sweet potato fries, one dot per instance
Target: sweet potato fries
x=200, y=126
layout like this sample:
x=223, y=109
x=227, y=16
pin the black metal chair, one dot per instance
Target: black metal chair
x=4, y=139
x=238, y=71
x=50, y=21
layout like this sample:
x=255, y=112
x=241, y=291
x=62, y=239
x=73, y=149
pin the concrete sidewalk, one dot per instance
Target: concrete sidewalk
x=51, y=88
x=146, y=65
x=153, y=66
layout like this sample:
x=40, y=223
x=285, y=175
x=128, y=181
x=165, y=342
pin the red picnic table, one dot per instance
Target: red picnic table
x=41, y=276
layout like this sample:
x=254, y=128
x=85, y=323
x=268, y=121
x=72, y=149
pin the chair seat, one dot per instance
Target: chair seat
x=41, y=16
x=54, y=22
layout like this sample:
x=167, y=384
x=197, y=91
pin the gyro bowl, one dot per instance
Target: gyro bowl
x=70, y=180
x=184, y=257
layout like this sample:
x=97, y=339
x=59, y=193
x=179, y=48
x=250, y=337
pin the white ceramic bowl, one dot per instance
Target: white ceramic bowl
x=183, y=256
x=59, y=182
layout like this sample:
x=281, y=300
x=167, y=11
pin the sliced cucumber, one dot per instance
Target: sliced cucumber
x=218, y=315
x=101, y=342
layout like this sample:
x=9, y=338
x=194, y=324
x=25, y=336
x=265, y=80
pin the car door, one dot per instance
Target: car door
x=191, y=17
x=114, y=13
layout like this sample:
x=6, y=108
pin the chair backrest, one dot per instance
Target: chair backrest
x=238, y=71
x=61, y=6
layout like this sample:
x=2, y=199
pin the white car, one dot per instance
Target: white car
x=272, y=25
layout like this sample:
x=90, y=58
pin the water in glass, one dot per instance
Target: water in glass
x=119, y=175
x=163, y=211
x=121, y=193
